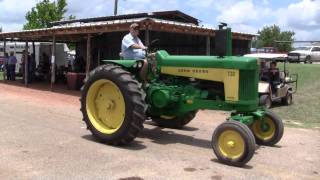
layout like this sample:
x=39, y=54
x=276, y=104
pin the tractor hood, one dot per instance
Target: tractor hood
x=235, y=72
x=227, y=62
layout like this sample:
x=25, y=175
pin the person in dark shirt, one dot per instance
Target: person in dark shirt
x=12, y=61
x=274, y=76
x=264, y=72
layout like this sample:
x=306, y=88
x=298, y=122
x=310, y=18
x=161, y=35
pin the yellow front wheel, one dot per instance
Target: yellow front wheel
x=269, y=130
x=112, y=105
x=233, y=143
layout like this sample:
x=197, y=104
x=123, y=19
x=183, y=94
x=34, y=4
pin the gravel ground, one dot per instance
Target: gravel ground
x=43, y=137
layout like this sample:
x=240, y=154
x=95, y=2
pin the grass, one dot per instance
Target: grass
x=305, y=112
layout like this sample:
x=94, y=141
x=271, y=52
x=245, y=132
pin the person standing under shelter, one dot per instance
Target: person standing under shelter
x=12, y=61
x=132, y=47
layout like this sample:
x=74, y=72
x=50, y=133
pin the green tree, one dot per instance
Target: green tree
x=270, y=34
x=45, y=12
x=0, y=29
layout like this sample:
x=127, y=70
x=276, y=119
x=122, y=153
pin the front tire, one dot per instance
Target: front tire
x=174, y=122
x=308, y=60
x=288, y=99
x=112, y=105
x=270, y=132
x=233, y=143
x=266, y=101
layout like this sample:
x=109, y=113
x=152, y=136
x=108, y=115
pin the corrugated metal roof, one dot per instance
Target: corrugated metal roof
x=112, y=22
x=167, y=15
x=84, y=25
x=100, y=23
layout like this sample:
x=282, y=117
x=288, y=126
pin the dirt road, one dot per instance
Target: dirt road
x=43, y=137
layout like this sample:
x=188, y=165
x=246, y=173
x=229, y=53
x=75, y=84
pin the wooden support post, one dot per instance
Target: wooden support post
x=26, y=64
x=34, y=52
x=147, y=36
x=99, y=55
x=208, y=46
x=4, y=51
x=4, y=46
x=248, y=47
x=88, y=54
x=53, y=60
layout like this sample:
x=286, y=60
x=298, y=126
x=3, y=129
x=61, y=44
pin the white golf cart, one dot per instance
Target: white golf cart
x=275, y=85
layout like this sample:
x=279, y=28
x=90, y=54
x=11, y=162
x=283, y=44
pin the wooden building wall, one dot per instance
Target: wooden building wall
x=108, y=45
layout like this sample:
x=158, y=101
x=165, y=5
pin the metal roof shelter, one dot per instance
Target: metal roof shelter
x=98, y=38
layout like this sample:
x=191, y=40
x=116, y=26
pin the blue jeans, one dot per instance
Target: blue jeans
x=12, y=73
x=7, y=67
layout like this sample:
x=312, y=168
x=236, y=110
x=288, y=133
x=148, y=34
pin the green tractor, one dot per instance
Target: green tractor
x=119, y=96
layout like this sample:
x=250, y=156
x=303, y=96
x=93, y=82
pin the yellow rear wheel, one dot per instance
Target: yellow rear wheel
x=268, y=131
x=112, y=105
x=233, y=143
x=105, y=106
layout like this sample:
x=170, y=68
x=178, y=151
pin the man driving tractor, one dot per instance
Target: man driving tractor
x=132, y=47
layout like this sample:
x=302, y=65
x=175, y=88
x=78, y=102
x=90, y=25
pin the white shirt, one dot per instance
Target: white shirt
x=128, y=52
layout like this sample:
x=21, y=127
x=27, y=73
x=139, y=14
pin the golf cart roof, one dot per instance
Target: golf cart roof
x=267, y=56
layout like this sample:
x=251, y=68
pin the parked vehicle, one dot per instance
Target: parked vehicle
x=270, y=52
x=271, y=90
x=306, y=54
x=40, y=49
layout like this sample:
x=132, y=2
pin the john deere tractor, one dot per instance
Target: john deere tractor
x=120, y=95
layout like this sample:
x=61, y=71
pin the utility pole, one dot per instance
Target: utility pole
x=115, y=7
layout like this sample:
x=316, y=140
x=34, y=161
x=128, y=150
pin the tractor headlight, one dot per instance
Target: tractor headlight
x=138, y=64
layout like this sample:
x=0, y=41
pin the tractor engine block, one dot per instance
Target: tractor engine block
x=167, y=96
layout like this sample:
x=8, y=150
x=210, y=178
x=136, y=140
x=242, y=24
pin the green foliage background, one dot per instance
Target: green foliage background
x=44, y=13
x=269, y=34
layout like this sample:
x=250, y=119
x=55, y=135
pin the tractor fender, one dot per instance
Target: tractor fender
x=122, y=63
x=142, y=65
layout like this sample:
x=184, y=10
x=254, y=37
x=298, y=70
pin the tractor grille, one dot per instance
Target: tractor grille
x=248, y=85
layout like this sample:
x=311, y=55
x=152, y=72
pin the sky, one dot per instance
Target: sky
x=300, y=16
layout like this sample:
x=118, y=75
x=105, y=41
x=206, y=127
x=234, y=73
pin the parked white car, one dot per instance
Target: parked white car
x=306, y=54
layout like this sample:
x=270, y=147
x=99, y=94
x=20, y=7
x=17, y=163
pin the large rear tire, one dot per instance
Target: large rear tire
x=270, y=132
x=233, y=143
x=112, y=104
x=288, y=99
x=173, y=121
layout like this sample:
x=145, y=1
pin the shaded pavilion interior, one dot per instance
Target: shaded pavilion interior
x=100, y=38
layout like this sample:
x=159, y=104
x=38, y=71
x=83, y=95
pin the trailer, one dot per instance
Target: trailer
x=40, y=48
